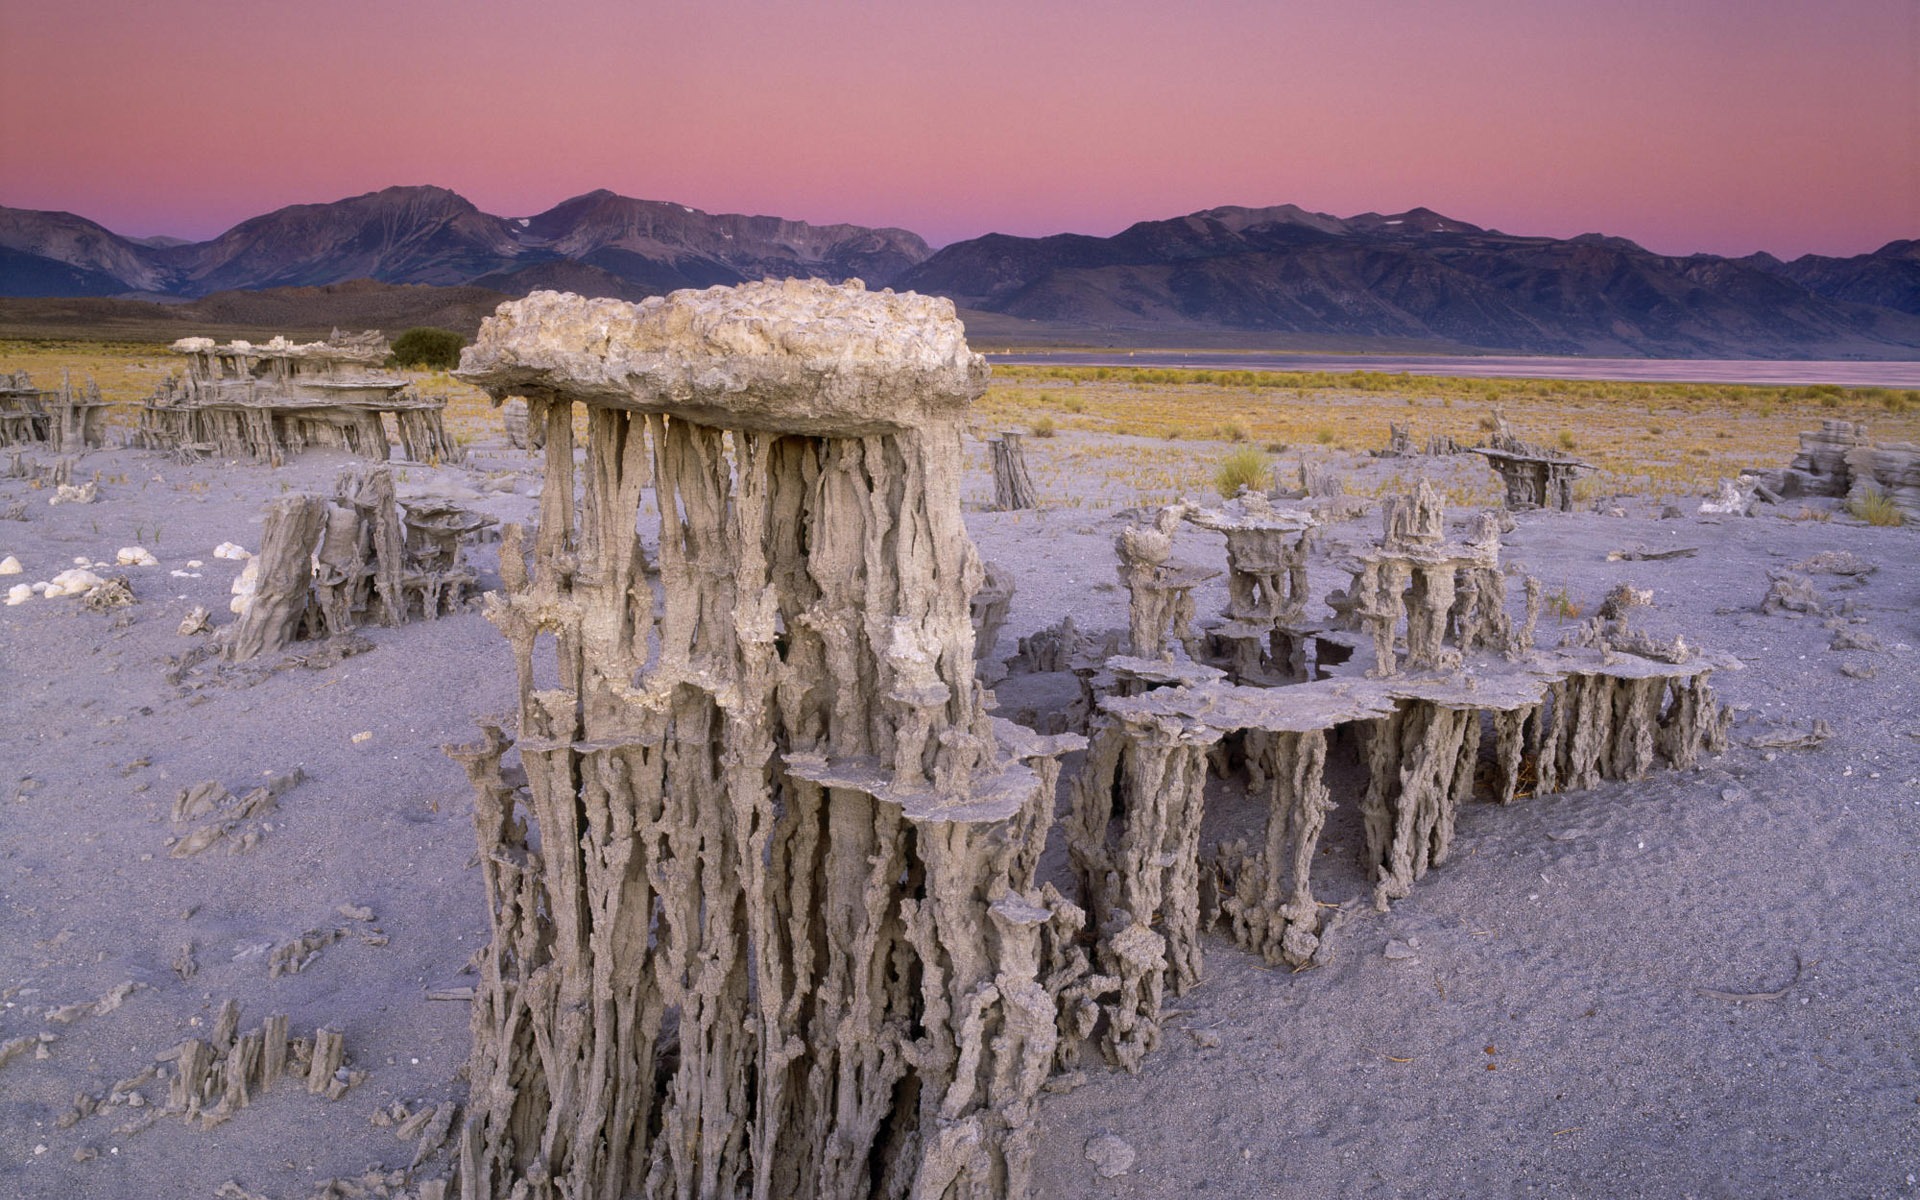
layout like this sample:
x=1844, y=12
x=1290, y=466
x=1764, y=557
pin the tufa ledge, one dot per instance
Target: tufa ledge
x=797, y=356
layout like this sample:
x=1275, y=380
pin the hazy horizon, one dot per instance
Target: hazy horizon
x=1695, y=126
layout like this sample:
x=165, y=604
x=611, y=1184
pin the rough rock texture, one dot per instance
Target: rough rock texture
x=1411, y=580
x=859, y=363
x=1266, y=587
x=269, y=401
x=63, y=421
x=1841, y=459
x=765, y=917
x=1160, y=590
x=325, y=569
x=1612, y=705
x=1012, y=486
x=1535, y=477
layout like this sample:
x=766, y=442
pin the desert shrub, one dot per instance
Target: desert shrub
x=427, y=347
x=1245, y=467
x=1323, y=435
x=1232, y=431
x=1877, y=508
x=1562, y=605
x=1074, y=404
x=1566, y=439
x=1042, y=427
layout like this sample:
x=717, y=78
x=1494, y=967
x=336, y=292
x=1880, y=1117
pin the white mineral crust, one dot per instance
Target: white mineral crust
x=797, y=356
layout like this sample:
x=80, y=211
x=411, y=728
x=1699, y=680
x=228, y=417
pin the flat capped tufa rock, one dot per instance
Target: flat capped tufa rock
x=796, y=356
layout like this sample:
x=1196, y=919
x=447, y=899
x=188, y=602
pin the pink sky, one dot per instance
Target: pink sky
x=1720, y=125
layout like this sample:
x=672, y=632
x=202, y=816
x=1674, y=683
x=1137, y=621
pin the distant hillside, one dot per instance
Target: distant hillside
x=1413, y=275
x=1280, y=276
x=1888, y=277
x=429, y=235
x=304, y=312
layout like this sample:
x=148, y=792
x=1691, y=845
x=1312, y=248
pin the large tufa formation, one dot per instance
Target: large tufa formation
x=764, y=910
x=269, y=401
x=1535, y=477
x=1266, y=587
x=1160, y=589
x=324, y=569
x=1437, y=590
x=1471, y=706
x=64, y=421
x=1840, y=459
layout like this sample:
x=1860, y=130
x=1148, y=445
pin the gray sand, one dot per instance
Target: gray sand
x=1586, y=947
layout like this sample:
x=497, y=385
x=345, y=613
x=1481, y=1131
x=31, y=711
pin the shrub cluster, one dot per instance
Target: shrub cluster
x=427, y=347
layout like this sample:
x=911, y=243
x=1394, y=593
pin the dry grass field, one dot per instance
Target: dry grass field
x=1170, y=429
x=1157, y=433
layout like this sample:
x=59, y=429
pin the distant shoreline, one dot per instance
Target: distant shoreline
x=1782, y=372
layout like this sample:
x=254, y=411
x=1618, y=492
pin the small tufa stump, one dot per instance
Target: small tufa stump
x=1012, y=487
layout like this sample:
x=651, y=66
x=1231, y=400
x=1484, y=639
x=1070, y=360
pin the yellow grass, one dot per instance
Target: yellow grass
x=1645, y=438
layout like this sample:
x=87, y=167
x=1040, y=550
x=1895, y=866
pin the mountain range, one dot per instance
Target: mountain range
x=1415, y=277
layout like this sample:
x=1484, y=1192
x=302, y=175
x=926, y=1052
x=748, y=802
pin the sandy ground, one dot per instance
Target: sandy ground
x=1563, y=1024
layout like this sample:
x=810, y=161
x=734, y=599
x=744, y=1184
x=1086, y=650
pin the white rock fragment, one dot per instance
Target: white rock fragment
x=195, y=621
x=135, y=556
x=244, y=586
x=195, y=564
x=9, y=565
x=20, y=593
x=40, y=587
x=363, y=735
x=83, y=561
x=86, y=493
x=1735, y=497
x=77, y=582
x=230, y=550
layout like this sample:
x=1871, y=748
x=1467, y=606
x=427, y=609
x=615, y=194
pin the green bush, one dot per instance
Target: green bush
x=427, y=347
x=1245, y=467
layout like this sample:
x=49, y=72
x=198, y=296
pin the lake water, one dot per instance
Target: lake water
x=1657, y=370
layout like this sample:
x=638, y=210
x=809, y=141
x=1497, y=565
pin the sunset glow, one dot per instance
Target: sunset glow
x=1694, y=125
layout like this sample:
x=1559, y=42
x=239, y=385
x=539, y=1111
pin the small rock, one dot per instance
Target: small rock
x=135, y=556
x=77, y=582
x=20, y=593
x=1206, y=1039
x=1110, y=1156
x=10, y=565
x=1858, y=670
x=195, y=621
x=1400, y=951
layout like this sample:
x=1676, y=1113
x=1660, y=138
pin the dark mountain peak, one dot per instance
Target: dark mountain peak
x=1240, y=219
x=1610, y=242
x=1413, y=221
